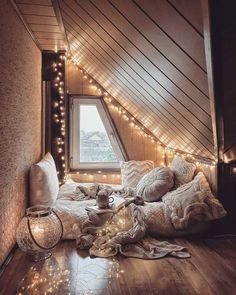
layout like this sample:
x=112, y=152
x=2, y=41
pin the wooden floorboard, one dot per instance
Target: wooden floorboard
x=210, y=270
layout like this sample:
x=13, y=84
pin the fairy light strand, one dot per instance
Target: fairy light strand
x=167, y=151
x=58, y=67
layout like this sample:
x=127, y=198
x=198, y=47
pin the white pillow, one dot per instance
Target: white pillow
x=193, y=202
x=132, y=171
x=155, y=184
x=183, y=171
x=44, y=185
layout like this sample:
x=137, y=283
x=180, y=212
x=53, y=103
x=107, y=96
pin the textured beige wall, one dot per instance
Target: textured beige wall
x=20, y=120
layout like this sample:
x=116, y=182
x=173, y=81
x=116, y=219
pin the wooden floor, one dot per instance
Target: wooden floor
x=210, y=270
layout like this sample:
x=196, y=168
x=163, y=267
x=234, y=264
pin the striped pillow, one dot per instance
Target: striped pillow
x=133, y=171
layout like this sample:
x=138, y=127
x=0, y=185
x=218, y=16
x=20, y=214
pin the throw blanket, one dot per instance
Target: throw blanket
x=124, y=232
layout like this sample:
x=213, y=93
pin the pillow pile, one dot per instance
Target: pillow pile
x=44, y=185
x=133, y=171
x=183, y=171
x=155, y=184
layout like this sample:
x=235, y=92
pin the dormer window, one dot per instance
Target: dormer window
x=94, y=143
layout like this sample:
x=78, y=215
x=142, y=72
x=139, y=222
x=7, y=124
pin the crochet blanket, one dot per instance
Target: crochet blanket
x=124, y=232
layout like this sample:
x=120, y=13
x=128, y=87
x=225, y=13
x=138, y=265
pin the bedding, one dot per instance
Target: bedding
x=155, y=184
x=125, y=233
x=132, y=171
x=44, y=185
x=70, y=206
x=186, y=210
x=183, y=171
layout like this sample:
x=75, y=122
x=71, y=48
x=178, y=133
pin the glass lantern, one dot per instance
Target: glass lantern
x=39, y=232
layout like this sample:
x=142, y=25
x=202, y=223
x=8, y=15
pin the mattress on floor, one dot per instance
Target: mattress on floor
x=157, y=215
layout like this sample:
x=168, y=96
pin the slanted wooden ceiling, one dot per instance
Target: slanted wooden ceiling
x=150, y=56
x=44, y=22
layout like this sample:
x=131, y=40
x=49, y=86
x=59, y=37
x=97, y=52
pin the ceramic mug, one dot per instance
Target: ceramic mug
x=103, y=200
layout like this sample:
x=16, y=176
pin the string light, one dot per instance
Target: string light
x=116, y=106
x=59, y=108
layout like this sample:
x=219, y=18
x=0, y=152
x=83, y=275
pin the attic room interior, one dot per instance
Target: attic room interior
x=118, y=147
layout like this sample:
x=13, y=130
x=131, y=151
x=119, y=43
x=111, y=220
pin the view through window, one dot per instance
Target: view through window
x=95, y=145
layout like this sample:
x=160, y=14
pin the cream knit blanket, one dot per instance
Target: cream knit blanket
x=108, y=234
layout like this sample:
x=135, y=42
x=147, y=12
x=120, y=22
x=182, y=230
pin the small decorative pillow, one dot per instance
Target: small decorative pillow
x=44, y=186
x=133, y=171
x=183, y=171
x=155, y=184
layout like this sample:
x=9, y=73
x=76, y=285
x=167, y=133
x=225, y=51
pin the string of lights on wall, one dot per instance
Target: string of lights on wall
x=58, y=68
x=167, y=152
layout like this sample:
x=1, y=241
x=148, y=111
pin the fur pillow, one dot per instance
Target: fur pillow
x=133, y=171
x=44, y=185
x=192, y=203
x=183, y=170
x=155, y=184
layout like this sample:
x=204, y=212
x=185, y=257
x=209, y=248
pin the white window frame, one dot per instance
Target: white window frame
x=75, y=164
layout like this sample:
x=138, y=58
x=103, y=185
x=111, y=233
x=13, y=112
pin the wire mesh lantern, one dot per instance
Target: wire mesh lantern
x=39, y=232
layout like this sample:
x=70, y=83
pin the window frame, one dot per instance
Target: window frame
x=74, y=140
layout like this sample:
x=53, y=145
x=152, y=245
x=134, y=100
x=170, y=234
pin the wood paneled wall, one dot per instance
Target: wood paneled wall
x=150, y=56
x=20, y=120
x=138, y=147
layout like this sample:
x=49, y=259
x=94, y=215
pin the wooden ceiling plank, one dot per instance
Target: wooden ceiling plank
x=36, y=10
x=161, y=114
x=164, y=45
x=57, y=10
x=189, y=134
x=49, y=35
x=164, y=15
x=45, y=28
x=101, y=72
x=200, y=137
x=160, y=109
x=150, y=61
x=41, y=20
x=135, y=38
x=168, y=98
x=164, y=107
x=125, y=58
x=52, y=47
x=191, y=11
x=51, y=41
x=181, y=145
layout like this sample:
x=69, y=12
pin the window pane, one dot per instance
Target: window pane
x=95, y=145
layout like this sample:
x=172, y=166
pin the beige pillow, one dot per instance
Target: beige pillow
x=133, y=171
x=193, y=202
x=183, y=171
x=44, y=186
x=155, y=184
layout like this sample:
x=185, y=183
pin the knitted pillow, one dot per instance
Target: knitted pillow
x=155, y=184
x=44, y=186
x=133, y=171
x=183, y=171
x=193, y=202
